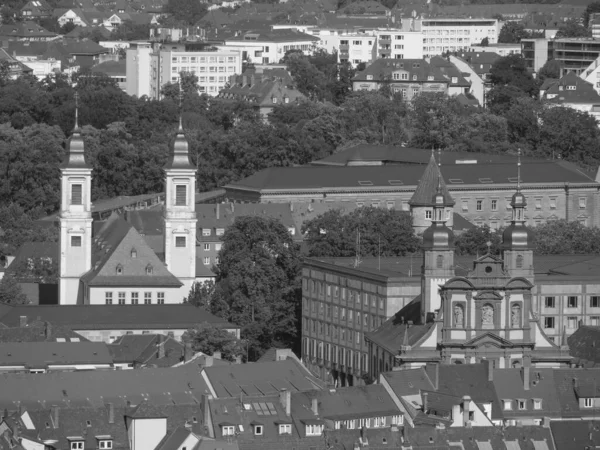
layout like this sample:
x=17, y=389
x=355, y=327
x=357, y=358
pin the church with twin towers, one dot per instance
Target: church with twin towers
x=115, y=265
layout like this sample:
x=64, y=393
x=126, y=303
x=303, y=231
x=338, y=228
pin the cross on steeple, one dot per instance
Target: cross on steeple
x=180, y=107
x=519, y=170
x=76, y=111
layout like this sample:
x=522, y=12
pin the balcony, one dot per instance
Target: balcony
x=385, y=41
x=344, y=47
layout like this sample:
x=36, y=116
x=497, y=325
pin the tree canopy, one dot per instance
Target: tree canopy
x=208, y=339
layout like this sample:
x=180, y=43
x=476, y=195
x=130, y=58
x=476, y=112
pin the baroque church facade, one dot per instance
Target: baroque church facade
x=116, y=265
x=468, y=316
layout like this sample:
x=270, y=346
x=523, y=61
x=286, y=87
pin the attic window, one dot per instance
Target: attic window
x=88, y=423
x=274, y=100
x=133, y=253
x=119, y=269
x=194, y=419
x=149, y=270
x=414, y=78
x=258, y=430
x=486, y=180
x=456, y=181
x=105, y=444
x=571, y=88
x=369, y=77
x=429, y=77
x=365, y=183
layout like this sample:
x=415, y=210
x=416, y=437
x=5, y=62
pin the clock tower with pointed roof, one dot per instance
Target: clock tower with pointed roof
x=75, y=219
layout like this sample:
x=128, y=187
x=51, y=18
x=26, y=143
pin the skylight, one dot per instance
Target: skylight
x=396, y=182
x=456, y=181
x=486, y=180
x=513, y=179
x=365, y=183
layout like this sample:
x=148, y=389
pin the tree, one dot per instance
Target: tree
x=549, y=70
x=67, y=28
x=188, y=12
x=559, y=237
x=258, y=284
x=511, y=71
x=201, y=294
x=208, y=339
x=573, y=29
x=512, y=33
x=485, y=42
x=501, y=98
x=474, y=241
x=11, y=292
x=36, y=270
x=382, y=232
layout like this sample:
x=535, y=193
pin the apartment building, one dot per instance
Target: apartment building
x=574, y=54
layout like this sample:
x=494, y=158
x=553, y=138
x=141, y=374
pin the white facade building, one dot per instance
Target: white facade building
x=138, y=63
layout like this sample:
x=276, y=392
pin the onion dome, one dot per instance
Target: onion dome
x=438, y=235
x=75, y=158
x=179, y=157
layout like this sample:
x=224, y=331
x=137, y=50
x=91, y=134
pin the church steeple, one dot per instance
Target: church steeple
x=517, y=239
x=75, y=217
x=180, y=210
x=421, y=203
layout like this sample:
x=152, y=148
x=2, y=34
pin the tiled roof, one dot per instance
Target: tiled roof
x=418, y=70
x=572, y=434
x=266, y=35
x=428, y=186
x=162, y=386
x=408, y=382
x=111, y=68
x=264, y=378
x=33, y=250
x=43, y=354
x=571, y=89
x=143, y=349
x=583, y=345
x=262, y=91
x=111, y=317
x=39, y=332
x=370, y=177
x=175, y=440
x=27, y=29
x=450, y=71
x=119, y=245
x=567, y=382
x=510, y=385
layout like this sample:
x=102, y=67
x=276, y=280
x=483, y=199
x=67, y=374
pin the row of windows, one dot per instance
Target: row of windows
x=335, y=292
x=207, y=247
x=373, y=422
x=447, y=41
x=353, y=317
x=134, y=298
x=572, y=301
x=202, y=59
x=521, y=404
x=208, y=231
x=202, y=69
x=480, y=204
x=80, y=445
x=207, y=260
x=572, y=322
x=326, y=329
x=337, y=355
x=229, y=430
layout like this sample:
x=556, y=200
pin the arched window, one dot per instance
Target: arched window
x=519, y=261
x=440, y=261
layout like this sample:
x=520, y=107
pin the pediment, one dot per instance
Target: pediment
x=488, y=340
x=519, y=283
x=488, y=295
x=459, y=283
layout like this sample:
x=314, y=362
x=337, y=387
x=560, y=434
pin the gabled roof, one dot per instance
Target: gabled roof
x=428, y=185
x=584, y=345
x=143, y=349
x=567, y=382
x=121, y=257
x=43, y=354
x=260, y=378
x=571, y=89
x=408, y=382
x=27, y=29
x=111, y=68
x=39, y=332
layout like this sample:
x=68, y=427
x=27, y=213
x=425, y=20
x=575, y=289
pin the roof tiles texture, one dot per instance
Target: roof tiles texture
x=44, y=354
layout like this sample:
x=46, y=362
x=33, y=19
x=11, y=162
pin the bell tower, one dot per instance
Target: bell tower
x=517, y=248
x=180, y=212
x=75, y=218
x=438, y=256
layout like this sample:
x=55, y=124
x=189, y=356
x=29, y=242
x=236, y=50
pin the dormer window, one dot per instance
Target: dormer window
x=274, y=100
x=149, y=270
x=133, y=253
x=314, y=430
x=507, y=405
x=430, y=78
x=285, y=428
x=119, y=269
x=414, y=78
x=571, y=88
x=370, y=77
x=454, y=80
x=286, y=99
x=258, y=430
x=77, y=444
x=227, y=430
x=220, y=231
x=205, y=231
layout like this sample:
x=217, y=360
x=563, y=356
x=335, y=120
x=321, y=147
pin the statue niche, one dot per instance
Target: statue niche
x=515, y=315
x=459, y=316
x=487, y=316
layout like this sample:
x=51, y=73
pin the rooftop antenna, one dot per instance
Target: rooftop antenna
x=180, y=107
x=76, y=111
x=519, y=170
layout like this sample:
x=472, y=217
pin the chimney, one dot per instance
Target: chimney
x=315, y=406
x=111, y=413
x=217, y=211
x=425, y=401
x=466, y=409
x=23, y=321
x=187, y=351
x=48, y=330
x=160, y=346
x=216, y=355
x=433, y=372
x=285, y=398
x=525, y=373
x=54, y=412
x=490, y=370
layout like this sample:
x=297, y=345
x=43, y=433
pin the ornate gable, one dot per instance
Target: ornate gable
x=488, y=340
x=488, y=296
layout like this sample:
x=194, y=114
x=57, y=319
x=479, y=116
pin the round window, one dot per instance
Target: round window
x=488, y=269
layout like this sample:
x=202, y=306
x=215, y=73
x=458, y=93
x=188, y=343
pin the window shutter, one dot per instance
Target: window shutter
x=76, y=194
x=180, y=195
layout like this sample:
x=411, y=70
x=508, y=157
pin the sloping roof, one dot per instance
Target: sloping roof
x=332, y=177
x=584, y=345
x=175, y=440
x=163, y=386
x=119, y=245
x=418, y=70
x=280, y=35
x=39, y=332
x=111, y=68
x=408, y=382
x=569, y=435
x=43, y=354
x=27, y=29
x=111, y=317
x=567, y=381
x=143, y=349
x=31, y=251
x=571, y=89
x=428, y=185
x=264, y=378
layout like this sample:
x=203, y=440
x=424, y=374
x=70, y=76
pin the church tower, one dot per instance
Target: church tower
x=517, y=248
x=421, y=206
x=180, y=213
x=75, y=219
x=438, y=255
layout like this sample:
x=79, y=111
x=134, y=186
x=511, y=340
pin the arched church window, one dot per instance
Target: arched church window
x=119, y=269
x=519, y=261
x=459, y=315
x=440, y=261
x=515, y=315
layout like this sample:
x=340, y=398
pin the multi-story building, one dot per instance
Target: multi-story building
x=386, y=177
x=137, y=70
x=536, y=52
x=573, y=54
x=408, y=77
x=269, y=47
x=442, y=35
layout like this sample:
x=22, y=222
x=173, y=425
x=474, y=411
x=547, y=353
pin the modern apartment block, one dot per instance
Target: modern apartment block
x=574, y=54
x=150, y=67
